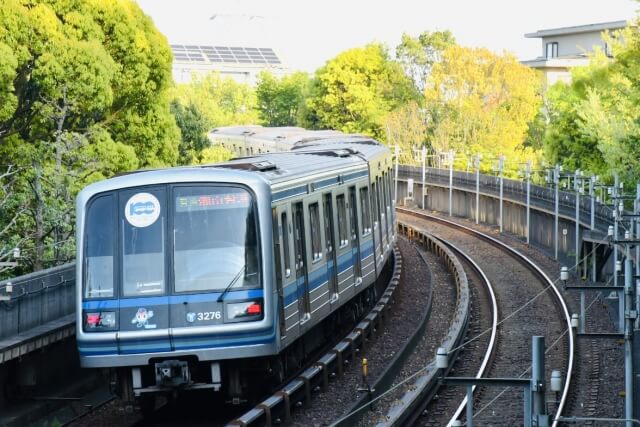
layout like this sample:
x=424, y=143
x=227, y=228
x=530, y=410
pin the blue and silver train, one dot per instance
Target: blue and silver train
x=204, y=277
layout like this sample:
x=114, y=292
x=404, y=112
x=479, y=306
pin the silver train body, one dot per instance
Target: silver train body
x=197, y=277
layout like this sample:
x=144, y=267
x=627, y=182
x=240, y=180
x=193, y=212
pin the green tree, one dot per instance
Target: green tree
x=83, y=95
x=193, y=128
x=418, y=55
x=281, y=102
x=482, y=103
x=405, y=128
x=221, y=101
x=356, y=90
x=593, y=121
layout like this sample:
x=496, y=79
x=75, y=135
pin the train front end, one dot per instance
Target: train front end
x=175, y=280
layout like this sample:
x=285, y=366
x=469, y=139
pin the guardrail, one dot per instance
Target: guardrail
x=514, y=190
x=426, y=384
x=36, y=299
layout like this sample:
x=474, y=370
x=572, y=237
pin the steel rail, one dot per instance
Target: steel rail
x=492, y=346
x=534, y=267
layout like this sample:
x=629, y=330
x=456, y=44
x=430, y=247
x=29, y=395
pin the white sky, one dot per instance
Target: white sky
x=305, y=34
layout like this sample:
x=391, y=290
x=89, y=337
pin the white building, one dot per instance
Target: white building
x=568, y=47
x=243, y=64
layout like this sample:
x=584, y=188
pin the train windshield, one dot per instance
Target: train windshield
x=215, y=239
x=207, y=233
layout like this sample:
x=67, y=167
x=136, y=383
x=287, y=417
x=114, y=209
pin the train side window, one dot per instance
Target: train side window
x=99, y=249
x=366, y=210
x=314, y=222
x=277, y=239
x=374, y=197
x=285, y=244
x=343, y=235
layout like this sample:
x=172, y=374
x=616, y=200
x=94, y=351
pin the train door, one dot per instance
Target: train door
x=287, y=285
x=355, y=241
x=300, y=257
x=330, y=236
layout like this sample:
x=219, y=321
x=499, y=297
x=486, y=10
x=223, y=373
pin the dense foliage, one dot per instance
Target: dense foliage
x=83, y=95
x=593, y=122
x=86, y=92
x=481, y=103
x=356, y=90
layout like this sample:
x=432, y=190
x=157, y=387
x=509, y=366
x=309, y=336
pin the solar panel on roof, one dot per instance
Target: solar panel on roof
x=233, y=54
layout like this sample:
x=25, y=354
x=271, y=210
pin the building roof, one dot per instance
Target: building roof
x=224, y=55
x=613, y=25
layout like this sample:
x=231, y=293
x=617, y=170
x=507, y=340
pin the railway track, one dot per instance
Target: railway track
x=497, y=407
x=525, y=311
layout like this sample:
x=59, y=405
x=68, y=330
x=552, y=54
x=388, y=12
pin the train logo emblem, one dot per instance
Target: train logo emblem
x=142, y=318
x=142, y=210
x=191, y=317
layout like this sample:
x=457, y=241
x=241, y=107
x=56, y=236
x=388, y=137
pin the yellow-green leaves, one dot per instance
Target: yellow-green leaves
x=356, y=90
x=480, y=102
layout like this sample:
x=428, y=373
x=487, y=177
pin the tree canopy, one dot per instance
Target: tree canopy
x=356, y=90
x=83, y=95
x=593, y=121
x=281, y=101
x=482, y=103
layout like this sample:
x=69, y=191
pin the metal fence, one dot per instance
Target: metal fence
x=516, y=191
x=37, y=298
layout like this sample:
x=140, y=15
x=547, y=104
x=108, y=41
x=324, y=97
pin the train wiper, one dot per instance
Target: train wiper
x=231, y=283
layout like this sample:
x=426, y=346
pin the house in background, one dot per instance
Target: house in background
x=568, y=47
x=243, y=64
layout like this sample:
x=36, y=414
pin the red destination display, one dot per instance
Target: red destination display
x=212, y=201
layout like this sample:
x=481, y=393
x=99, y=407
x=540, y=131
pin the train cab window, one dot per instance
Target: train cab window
x=366, y=210
x=215, y=239
x=314, y=223
x=343, y=235
x=285, y=245
x=143, y=242
x=99, y=248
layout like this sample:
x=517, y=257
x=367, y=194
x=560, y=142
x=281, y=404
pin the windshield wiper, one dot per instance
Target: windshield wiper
x=231, y=283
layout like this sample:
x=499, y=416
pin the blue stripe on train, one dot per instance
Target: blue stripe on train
x=179, y=343
x=173, y=299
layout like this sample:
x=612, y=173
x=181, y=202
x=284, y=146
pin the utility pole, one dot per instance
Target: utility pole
x=556, y=182
x=528, y=176
x=450, y=155
x=477, y=165
x=424, y=159
x=395, y=192
x=577, y=186
x=500, y=169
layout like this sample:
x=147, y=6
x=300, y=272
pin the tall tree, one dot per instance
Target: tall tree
x=356, y=90
x=594, y=120
x=479, y=102
x=418, y=55
x=281, y=101
x=82, y=96
x=193, y=128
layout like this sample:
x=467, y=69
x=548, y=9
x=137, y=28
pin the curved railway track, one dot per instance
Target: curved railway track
x=526, y=312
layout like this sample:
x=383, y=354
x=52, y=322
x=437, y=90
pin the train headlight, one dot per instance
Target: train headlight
x=99, y=320
x=245, y=311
